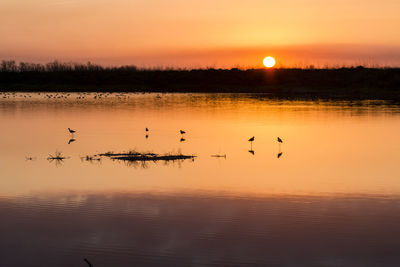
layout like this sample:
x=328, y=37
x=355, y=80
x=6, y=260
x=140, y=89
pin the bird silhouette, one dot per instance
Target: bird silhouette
x=147, y=136
x=147, y=129
x=182, y=140
x=251, y=151
x=279, y=152
x=251, y=144
x=71, y=131
x=182, y=132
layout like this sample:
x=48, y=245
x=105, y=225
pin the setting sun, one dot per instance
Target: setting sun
x=269, y=62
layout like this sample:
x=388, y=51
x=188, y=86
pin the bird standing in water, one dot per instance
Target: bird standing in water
x=251, y=145
x=182, y=132
x=280, y=152
x=71, y=131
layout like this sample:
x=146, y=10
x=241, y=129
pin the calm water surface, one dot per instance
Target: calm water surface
x=331, y=198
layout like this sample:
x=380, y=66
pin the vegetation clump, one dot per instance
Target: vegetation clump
x=136, y=156
x=57, y=156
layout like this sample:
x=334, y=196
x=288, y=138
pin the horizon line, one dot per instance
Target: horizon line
x=72, y=64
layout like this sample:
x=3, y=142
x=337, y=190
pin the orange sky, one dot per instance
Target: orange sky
x=199, y=33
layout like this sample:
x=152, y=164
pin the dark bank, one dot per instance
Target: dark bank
x=345, y=83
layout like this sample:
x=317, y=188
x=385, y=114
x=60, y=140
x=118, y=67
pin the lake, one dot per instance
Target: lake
x=329, y=195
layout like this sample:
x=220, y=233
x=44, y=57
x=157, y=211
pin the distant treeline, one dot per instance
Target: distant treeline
x=354, y=82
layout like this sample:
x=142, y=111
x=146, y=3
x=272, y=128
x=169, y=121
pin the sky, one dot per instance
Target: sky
x=202, y=33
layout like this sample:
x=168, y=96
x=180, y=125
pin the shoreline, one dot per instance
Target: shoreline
x=344, y=83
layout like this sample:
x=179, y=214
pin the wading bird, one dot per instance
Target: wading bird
x=147, y=129
x=71, y=131
x=251, y=144
x=280, y=152
x=182, y=132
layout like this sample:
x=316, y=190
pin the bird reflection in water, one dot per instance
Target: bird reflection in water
x=251, y=151
x=71, y=140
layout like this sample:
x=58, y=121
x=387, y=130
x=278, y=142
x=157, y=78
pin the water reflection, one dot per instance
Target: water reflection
x=71, y=140
x=280, y=153
x=145, y=164
x=333, y=202
x=199, y=230
x=333, y=146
